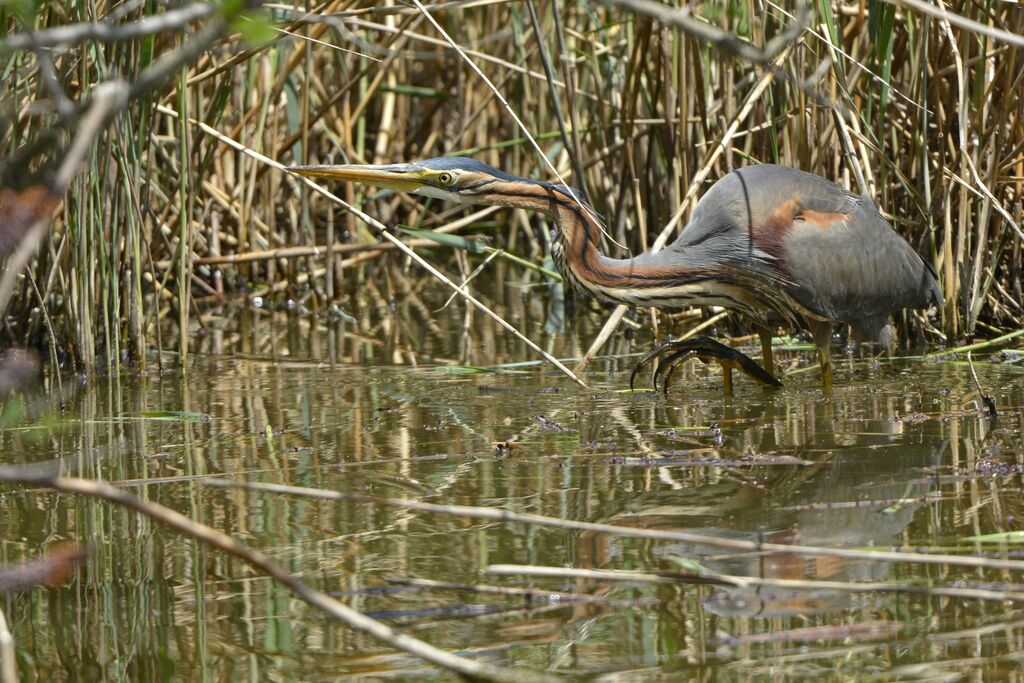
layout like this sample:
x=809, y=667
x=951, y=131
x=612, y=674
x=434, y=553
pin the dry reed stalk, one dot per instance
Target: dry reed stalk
x=401, y=246
x=637, y=111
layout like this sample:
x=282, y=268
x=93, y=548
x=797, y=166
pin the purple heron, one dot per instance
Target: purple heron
x=763, y=239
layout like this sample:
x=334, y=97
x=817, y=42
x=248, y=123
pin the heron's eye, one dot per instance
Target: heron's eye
x=446, y=178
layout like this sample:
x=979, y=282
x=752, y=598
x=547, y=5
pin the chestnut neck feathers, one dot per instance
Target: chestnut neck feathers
x=674, y=278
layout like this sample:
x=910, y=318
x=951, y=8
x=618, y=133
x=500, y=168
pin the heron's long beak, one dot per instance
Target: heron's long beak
x=401, y=177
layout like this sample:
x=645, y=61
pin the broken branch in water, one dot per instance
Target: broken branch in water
x=256, y=559
x=655, y=534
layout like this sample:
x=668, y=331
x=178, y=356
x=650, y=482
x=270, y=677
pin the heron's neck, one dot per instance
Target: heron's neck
x=576, y=252
x=575, y=245
x=574, y=248
x=673, y=278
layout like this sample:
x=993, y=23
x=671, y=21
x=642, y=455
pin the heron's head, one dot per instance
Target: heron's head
x=456, y=179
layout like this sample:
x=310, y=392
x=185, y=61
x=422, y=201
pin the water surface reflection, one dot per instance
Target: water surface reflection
x=898, y=455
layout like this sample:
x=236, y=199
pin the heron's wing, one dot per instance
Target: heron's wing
x=854, y=267
x=841, y=259
x=744, y=216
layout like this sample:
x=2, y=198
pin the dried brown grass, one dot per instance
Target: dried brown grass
x=930, y=116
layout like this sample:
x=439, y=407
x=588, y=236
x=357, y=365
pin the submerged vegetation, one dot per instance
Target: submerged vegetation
x=920, y=110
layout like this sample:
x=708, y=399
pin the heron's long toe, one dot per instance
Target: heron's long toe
x=668, y=365
x=671, y=355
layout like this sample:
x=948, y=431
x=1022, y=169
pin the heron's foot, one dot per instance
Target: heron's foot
x=671, y=355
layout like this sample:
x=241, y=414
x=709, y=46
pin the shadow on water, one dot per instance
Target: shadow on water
x=898, y=455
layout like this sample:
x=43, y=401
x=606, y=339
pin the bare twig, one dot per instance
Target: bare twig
x=165, y=67
x=48, y=74
x=107, y=32
x=93, y=115
x=256, y=559
x=108, y=98
x=730, y=43
x=756, y=582
x=8, y=663
x=414, y=54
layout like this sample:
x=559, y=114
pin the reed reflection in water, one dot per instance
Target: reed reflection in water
x=898, y=455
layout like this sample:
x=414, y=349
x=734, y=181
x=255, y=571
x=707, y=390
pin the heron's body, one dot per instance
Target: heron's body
x=841, y=259
x=763, y=238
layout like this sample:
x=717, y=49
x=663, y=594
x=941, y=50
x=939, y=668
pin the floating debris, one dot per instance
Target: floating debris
x=551, y=425
x=504, y=447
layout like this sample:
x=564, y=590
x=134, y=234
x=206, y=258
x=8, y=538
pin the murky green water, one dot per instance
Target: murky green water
x=897, y=455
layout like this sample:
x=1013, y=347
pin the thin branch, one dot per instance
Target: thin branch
x=107, y=100
x=381, y=10
x=93, y=114
x=498, y=514
x=257, y=560
x=960, y=21
x=168, y=65
x=48, y=74
x=341, y=28
x=107, y=32
x=730, y=43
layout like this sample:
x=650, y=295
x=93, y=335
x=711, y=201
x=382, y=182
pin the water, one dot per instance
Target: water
x=900, y=454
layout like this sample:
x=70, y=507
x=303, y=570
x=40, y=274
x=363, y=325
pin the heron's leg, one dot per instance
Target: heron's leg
x=767, y=359
x=821, y=332
x=708, y=350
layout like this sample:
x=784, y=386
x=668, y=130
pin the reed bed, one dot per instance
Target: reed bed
x=919, y=109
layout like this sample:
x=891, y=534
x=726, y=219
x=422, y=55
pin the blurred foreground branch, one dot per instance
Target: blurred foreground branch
x=260, y=562
x=960, y=21
x=51, y=569
x=107, y=31
x=730, y=43
x=28, y=214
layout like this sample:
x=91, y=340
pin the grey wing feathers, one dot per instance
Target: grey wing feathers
x=858, y=269
x=841, y=258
